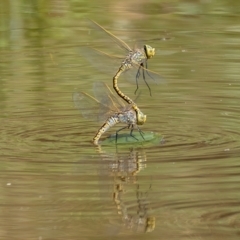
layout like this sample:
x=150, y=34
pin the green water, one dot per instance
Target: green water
x=55, y=184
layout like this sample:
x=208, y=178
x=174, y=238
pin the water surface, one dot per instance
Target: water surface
x=55, y=184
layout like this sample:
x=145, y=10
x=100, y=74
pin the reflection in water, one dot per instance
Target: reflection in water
x=124, y=167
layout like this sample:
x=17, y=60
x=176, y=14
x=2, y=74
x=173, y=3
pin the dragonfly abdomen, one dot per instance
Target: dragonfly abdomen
x=116, y=88
x=111, y=121
x=141, y=118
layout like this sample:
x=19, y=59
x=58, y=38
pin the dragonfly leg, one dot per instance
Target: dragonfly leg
x=141, y=133
x=148, y=72
x=137, y=77
x=131, y=132
x=130, y=126
x=118, y=132
x=144, y=78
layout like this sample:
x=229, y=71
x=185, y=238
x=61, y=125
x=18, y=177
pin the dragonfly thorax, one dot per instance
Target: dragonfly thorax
x=128, y=117
x=136, y=57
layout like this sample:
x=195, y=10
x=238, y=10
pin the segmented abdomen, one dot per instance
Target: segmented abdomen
x=111, y=121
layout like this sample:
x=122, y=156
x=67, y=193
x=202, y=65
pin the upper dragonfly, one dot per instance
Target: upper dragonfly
x=136, y=57
x=105, y=106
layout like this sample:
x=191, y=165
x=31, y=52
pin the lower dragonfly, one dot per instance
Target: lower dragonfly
x=135, y=58
x=107, y=107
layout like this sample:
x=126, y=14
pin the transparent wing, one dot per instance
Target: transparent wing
x=149, y=75
x=120, y=42
x=100, y=107
x=143, y=75
x=88, y=106
x=109, y=98
x=102, y=61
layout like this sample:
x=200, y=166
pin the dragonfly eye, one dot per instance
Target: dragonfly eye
x=149, y=51
x=141, y=118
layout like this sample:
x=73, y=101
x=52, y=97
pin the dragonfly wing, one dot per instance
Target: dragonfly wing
x=107, y=64
x=104, y=62
x=104, y=94
x=90, y=107
x=150, y=76
x=87, y=107
x=117, y=40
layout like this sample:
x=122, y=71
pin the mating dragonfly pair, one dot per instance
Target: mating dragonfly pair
x=107, y=107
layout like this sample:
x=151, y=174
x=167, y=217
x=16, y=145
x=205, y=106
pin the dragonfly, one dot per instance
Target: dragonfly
x=135, y=58
x=107, y=107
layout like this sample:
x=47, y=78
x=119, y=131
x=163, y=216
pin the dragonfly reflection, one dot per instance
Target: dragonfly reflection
x=124, y=167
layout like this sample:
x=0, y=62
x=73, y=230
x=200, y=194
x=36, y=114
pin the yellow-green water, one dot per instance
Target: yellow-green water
x=55, y=184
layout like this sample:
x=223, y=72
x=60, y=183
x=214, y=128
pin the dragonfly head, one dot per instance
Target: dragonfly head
x=141, y=118
x=149, y=51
